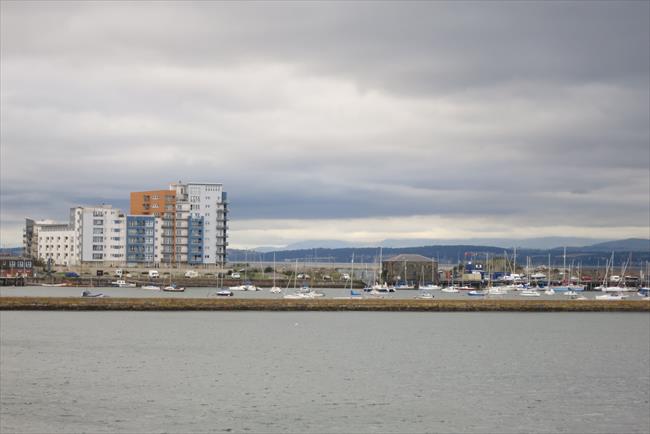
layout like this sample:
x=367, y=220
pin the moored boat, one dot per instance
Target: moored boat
x=173, y=288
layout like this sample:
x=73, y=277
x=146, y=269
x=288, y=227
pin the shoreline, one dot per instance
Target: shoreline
x=326, y=305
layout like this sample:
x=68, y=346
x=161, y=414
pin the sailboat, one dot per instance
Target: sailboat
x=549, y=290
x=274, y=289
x=404, y=284
x=302, y=293
x=429, y=286
x=383, y=286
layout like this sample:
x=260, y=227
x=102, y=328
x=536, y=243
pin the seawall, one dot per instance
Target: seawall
x=230, y=304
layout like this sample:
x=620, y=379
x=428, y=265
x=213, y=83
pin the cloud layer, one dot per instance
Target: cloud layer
x=385, y=120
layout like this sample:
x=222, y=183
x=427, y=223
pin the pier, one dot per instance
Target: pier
x=380, y=305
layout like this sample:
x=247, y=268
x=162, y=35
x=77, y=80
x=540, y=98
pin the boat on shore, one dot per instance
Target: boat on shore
x=151, y=287
x=54, y=285
x=123, y=284
x=225, y=293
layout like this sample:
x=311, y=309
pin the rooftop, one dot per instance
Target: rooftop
x=408, y=257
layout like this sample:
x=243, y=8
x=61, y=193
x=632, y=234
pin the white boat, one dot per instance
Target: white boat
x=614, y=288
x=225, y=293
x=464, y=288
x=57, y=285
x=476, y=293
x=611, y=297
x=529, y=293
x=237, y=288
x=429, y=287
x=123, y=284
x=151, y=287
x=298, y=296
x=450, y=289
x=383, y=287
x=570, y=293
x=425, y=295
x=173, y=288
x=496, y=290
x=549, y=291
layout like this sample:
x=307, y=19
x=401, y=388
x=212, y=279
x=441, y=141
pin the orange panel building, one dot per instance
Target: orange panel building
x=162, y=204
x=154, y=202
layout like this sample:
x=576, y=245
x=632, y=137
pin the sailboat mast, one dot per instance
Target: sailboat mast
x=352, y=274
x=564, y=267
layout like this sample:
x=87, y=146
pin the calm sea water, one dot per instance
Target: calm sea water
x=45, y=291
x=324, y=372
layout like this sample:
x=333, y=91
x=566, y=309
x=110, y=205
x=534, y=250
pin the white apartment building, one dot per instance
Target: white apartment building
x=100, y=233
x=202, y=210
x=57, y=243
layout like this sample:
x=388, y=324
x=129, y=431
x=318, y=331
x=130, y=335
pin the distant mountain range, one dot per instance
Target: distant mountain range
x=633, y=244
x=591, y=255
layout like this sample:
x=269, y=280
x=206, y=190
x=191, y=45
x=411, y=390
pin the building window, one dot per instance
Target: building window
x=98, y=231
x=98, y=256
x=98, y=222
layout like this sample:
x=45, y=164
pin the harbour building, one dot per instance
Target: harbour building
x=410, y=268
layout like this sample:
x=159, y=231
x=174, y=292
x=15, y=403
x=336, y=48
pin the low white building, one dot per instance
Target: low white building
x=58, y=244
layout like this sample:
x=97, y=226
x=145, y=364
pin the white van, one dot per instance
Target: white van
x=191, y=273
x=153, y=274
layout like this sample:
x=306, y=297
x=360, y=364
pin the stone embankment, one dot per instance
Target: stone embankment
x=233, y=304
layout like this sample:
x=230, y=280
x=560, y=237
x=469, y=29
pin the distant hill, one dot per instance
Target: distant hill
x=527, y=243
x=594, y=255
x=630, y=245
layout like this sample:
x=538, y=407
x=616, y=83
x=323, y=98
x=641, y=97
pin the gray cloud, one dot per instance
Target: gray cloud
x=532, y=112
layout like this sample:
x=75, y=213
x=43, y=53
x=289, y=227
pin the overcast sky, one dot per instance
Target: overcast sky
x=350, y=121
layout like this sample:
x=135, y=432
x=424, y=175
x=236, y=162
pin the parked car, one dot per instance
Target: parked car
x=118, y=272
x=71, y=274
x=235, y=276
x=153, y=274
x=191, y=273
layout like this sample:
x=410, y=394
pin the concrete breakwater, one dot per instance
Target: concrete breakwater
x=394, y=305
